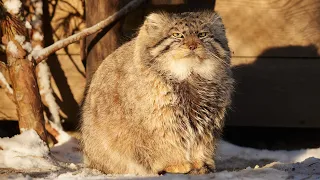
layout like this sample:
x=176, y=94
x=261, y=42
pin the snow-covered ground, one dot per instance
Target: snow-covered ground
x=26, y=157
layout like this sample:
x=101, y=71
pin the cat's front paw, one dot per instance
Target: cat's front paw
x=200, y=167
x=179, y=168
x=202, y=170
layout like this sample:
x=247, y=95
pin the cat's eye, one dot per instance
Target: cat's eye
x=202, y=34
x=177, y=35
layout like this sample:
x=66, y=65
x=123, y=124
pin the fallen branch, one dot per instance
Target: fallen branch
x=40, y=55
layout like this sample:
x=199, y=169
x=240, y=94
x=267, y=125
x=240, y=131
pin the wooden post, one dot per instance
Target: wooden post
x=26, y=94
x=100, y=45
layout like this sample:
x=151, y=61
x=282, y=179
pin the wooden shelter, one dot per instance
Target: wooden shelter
x=275, y=47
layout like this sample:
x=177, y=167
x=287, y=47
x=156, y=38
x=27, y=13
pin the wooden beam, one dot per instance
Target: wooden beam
x=255, y=26
x=100, y=45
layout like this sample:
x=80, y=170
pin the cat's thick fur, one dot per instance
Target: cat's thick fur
x=158, y=102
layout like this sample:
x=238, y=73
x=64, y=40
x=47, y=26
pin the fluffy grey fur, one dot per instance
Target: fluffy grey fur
x=158, y=102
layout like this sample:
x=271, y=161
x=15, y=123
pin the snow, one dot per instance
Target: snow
x=227, y=150
x=46, y=90
x=4, y=81
x=30, y=158
x=67, y=149
x=37, y=51
x=25, y=151
x=28, y=25
x=20, y=38
x=36, y=22
x=38, y=6
x=252, y=174
x=37, y=36
x=37, y=48
x=29, y=57
x=27, y=46
x=12, y=48
x=13, y=6
x=22, y=41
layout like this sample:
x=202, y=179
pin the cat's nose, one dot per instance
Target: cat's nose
x=193, y=46
x=191, y=42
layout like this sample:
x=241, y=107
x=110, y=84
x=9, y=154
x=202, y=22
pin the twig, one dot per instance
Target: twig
x=8, y=93
x=3, y=68
x=5, y=79
x=44, y=53
x=52, y=131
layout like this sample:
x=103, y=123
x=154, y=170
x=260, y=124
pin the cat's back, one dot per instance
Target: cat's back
x=107, y=87
x=116, y=63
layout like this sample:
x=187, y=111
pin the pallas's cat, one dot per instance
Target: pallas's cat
x=158, y=102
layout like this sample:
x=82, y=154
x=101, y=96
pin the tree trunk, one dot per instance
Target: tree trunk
x=100, y=45
x=27, y=96
x=22, y=73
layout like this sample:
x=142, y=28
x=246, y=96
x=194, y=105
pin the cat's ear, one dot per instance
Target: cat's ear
x=156, y=21
x=215, y=18
x=218, y=30
x=216, y=23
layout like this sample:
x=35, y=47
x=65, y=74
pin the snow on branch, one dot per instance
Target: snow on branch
x=40, y=55
x=46, y=90
x=13, y=6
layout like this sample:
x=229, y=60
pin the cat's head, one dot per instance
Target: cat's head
x=179, y=45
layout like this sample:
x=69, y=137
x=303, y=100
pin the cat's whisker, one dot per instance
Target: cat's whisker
x=220, y=60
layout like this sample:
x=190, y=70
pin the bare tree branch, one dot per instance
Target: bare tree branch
x=5, y=71
x=40, y=55
x=6, y=80
x=8, y=92
x=52, y=131
x=3, y=68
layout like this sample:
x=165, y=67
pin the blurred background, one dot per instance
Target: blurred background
x=276, y=63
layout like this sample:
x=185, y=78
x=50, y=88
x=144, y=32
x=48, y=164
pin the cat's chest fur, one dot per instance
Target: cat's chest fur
x=183, y=108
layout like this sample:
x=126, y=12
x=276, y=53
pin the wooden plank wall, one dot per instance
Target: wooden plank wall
x=276, y=61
